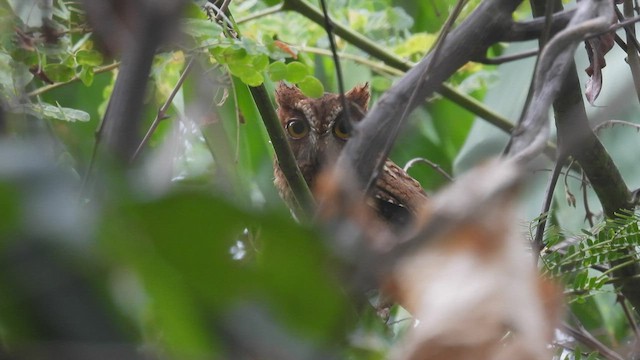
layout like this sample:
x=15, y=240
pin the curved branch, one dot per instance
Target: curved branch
x=371, y=48
x=531, y=30
x=530, y=137
x=471, y=39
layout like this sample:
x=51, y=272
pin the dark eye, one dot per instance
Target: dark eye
x=297, y=128
x=342, y=129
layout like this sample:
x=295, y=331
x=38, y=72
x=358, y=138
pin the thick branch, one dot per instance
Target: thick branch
x=575, y=138
x=531, y=30
x=380, y=53
x=285, y=157
x=471, y=39
x=121, y=124
x=530, y=136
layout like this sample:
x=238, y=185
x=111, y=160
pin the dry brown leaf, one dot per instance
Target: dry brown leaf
x=597, y=48
x=473, y=287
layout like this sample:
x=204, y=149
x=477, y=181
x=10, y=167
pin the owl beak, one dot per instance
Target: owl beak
x=313, y=154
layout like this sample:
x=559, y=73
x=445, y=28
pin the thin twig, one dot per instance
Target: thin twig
x=162, y=112
x=583, y=336
x=258, y=14
x=328, y=27
x=622, y=300
x=375, y=66
x=538, y=240
x=435, y=53
x=507, y=58
x=620, y=43
x=611, y=123
x=98, y=70
x=632, y=51
x=433, y=165
x=588, y=215
x=628, y=28
x=571, y=198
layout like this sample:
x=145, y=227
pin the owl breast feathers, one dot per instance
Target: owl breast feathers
x=317, y=130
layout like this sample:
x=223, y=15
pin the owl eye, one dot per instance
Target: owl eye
x=297, y=128
x=342, y=129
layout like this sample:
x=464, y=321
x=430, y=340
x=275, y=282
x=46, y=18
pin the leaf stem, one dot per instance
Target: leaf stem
x=162, y=112
x=98, y=70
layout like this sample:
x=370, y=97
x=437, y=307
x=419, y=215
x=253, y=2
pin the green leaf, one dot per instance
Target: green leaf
x=6, y=71
x=260, y=62
x=89, y=58
x=86, y=75
x=188, y=238
x=311, y=87
x=277, y=71
x=380, y=83
x=24, y=56
x=10, y=210
x=201, y=28
x=234, y=54
x=398, y=18
x=415, y=46
x=59, y=72
x=296, y=71
x=252, y=78
x=48, y=111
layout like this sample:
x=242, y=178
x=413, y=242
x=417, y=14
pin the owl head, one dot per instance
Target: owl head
x=317, y=129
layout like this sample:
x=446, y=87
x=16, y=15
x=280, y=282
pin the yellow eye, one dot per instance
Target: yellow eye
x=341, y=129
x=297, y=128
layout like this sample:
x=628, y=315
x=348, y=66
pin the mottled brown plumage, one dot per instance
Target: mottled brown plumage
x=317, y=130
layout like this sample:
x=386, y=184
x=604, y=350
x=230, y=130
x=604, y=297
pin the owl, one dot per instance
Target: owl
x=318, y=129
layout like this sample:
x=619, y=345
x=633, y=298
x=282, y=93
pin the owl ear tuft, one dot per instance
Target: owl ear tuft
x=360, y=95
x=287, y=95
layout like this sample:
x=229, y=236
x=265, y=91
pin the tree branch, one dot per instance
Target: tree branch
x=371, y=48
x=532, y=132
x=575, y=138
x=121, y=125
x=286, y=160
x=531, y=30
x=283, y=152
x=481, y=29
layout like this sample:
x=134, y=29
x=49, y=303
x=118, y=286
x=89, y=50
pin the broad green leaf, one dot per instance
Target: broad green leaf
x=277, y=71
x=252, y=77
x=6, y=71
x=29, y=58
x=296, y=71
x=398, y=18
x=234, y=54
x=86, y=75
x=380, y=83
x=415, y=46
x=260, y=62
x=48, y=111
x=59, y=72
x=89, y=58
x=201, y=28
x=311, y=87
x=189, y=238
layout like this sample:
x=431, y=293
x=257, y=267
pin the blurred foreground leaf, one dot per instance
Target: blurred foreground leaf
x=181, y=248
